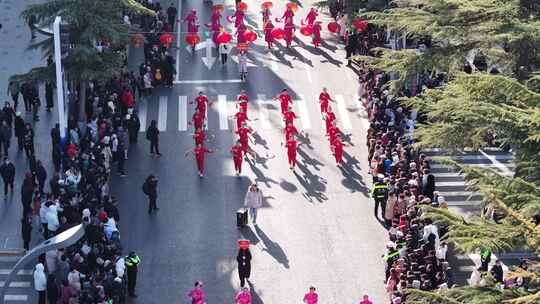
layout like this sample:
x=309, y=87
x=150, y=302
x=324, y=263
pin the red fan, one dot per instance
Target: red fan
x=267, y=5
x=218, y=7
x=224, y=37
x=250, y=36
x=166, y=39
x=193, y=39
x=333, y=27
x=293, y=6
x=242, y=6
x=359, y=24
x=306, y=30
x=278, y=33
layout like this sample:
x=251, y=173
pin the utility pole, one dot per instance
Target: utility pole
x=60, y=34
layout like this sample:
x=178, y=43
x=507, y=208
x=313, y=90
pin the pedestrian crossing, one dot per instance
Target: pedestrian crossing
x=450, y=184
x=21, y=289
x=263, y=112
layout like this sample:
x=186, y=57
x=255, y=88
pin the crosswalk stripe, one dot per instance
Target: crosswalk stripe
x=458, y=193
x=182, y=113
x=342, y=109
x=492, y=166
x=16, y=298
x=16, y=284
x=162, y=114
x=223, y=112
x=479, y=157
x=464, y=203
x=20, y=272
x=451, y=184
x=143, y=109
x=453, y=174
x=304, y=115
x=263, y=111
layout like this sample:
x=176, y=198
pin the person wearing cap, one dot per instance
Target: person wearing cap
x=132, y=267
x=311, y=297
x=244, y=265
x=379, y=194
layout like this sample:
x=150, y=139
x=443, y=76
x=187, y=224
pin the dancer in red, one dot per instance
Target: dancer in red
x=324, y=99
x=237, y=151
x=243, y=132
x=242, y=101
x=289, y=131
x=199, y=151
x=238, y=18
x=215, y=24
x=337, y=147
x=329, y=117
x=202, y=102
x=317, y=34
x=192, y=22
x=288, y=16
x=199, y=136
x=241, y=117
x=240, y=31
x=266, y=14
x=268, y=27
x=334, y=132
x=289, y=116
x=197, y=120
x=284, y=99
x=291, y=145
x=289, y=29
x=312, y=16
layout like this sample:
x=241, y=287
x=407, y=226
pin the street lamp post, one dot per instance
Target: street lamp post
x=59, y=78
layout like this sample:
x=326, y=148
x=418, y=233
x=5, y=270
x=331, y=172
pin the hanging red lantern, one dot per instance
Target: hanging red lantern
x=359, y=24
x=242, y=6
x=278, y=33
x=292, y=6
x=193, y=39
x=137, y=40
x=250, y=36
x=306, y=30
x=333, y=27
x=224, y=37
x=267, y=5
x=166, y=39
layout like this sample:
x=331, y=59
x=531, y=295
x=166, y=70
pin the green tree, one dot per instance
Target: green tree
x=90, y=21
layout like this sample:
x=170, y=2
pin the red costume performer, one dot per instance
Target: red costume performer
x=289, y=132
x=266, y=15
x=289, y=117
x=311, y=16
x=289, y=33
x=241, y=117
x=317, y=34
x=268, y=27
x=329, y=118
x=288, y=16
x=237, y=153
x=240, y=33
x=337, y=148
x=284, y=99
x=324, y=99
x=215, y=25
x=199, y=136
x=202, y=102
x=198, y=120
x=199, y=152
x=333, y=133
x=191, y=20
x=243, y=133
x=291, y=152
x=243, y=100
x=238, y=18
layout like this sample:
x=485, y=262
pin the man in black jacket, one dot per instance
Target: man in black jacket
x=41, y=175
x=7, y=171
x=150, y=189
x=19, y=130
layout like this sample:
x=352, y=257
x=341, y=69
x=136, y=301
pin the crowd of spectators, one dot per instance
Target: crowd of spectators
x=415, y=257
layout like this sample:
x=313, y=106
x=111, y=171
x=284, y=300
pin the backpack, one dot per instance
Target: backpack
x=145, y=188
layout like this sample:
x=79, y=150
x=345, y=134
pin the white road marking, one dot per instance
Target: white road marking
x=464, y=203
x=342, y=109
x=274, y=66
x=20, y=272
x=263, y=111
x=451, y=184
x=492, y=166
x=143, y=109
x=208, y=81
x=223, y=112
x=22, y=298
x=162, y=113
x=16, y=284
x=303, y=111
x=308, y=73
x=182, y=113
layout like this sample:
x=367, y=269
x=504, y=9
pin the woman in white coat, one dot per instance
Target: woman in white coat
x=253, y=201
x=40, y=282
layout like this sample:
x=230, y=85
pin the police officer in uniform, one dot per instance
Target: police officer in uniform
x=132, y=265
x=380, y=194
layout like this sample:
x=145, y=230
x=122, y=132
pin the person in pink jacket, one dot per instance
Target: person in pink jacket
x=197, y=294
x=243, y=296
x=365, y=300
x=311, y=297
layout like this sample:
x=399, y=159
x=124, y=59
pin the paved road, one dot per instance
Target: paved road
x=316, y=227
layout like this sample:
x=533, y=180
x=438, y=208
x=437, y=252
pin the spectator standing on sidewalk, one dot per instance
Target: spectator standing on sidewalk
x=40, y=282
x=253, y=201
x=244, y=265
x=19, y=130
x=7, y=171
x=26, y=231
x=150, y=189
x=14, y=88
x=224, y=52
x=311, y=297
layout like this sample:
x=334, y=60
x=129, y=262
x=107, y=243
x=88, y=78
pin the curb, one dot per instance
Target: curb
x=12, y=252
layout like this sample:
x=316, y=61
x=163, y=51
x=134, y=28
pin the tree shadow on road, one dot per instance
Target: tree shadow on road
x=272, y=248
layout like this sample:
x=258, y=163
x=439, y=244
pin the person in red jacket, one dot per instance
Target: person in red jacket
x=202, y=102
x=284, y=99
x=289, y=116
x=242, y=101
x=241, y=118
x=329, y=118
x=243, y=132
x=333, y=132
x=199, y=152
x=292, y=145
x=337, y=148
x=197, y=120
x=324, y=100
x=127, y=99
x=199, y=136
x=289, y=131
x=237, y=152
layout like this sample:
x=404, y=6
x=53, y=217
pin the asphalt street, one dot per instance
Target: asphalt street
x=317, y=225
